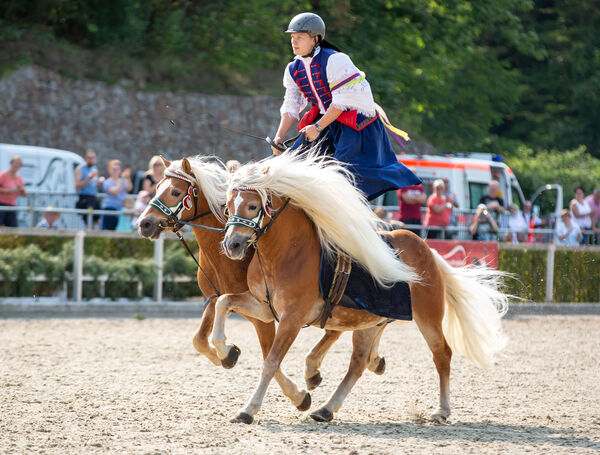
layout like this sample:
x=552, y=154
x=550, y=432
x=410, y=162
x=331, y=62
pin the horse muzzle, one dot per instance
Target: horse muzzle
x=149, y=227
x=235, y=246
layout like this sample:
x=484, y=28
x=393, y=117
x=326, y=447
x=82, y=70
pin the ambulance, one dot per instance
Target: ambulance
x=469, y=175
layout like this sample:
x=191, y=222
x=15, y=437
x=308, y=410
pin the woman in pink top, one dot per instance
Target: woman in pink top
x=11, y=187
x=439, y=210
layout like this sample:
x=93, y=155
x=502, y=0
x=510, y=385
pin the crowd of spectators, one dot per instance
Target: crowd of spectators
x=490, y=221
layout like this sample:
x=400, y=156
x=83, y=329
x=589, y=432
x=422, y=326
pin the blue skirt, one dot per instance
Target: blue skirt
x=369, y=156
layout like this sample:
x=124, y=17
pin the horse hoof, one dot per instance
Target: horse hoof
x=305, y=405
x=232, y=357
x=380, y=369
x=322, y=415
x=243, y=418
x=439, y=418
x=314, y=381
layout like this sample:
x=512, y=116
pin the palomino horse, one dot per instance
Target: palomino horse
x=195, y=189
x=456, y=309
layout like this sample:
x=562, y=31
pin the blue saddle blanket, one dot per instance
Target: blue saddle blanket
x=363, y=292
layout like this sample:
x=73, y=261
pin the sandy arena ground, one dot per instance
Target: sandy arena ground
x=81, y=386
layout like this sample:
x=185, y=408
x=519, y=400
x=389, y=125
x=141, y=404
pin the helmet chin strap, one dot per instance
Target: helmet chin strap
x=316, y=44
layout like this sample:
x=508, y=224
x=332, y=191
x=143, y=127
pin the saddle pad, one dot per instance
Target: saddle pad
x=363, y=292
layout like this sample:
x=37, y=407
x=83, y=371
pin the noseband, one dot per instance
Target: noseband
x=256, y=222
x=173, y=212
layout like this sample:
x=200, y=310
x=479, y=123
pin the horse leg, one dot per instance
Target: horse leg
x=262, y=318
x=315, y=357
x=362, y=344
x=266, y=334
x=376, y=363
x=442, y=354
x=288, y=329
x=228, y=354
x=200, y=339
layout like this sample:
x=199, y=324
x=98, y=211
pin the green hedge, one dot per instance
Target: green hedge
x=576, y=275
x=123, y=260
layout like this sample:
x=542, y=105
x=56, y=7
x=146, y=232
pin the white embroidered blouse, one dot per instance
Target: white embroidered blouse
x=356, y=95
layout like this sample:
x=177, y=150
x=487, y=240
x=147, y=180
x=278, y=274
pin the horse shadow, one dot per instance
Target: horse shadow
x=482, y=432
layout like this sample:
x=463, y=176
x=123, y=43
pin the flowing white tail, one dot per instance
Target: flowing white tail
x=474, y=309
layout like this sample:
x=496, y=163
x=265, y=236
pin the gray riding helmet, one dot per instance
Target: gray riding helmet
x=309, y=23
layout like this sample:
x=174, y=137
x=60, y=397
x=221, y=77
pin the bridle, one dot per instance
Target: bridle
x=256, y=223
x=173, y=214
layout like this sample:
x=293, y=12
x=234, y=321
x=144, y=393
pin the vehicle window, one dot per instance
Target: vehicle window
x=545, y=204
x=476, y=190
x=516, y=197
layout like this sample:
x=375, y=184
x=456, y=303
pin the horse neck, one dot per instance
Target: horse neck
x=291, y=237
x=230, y=275
x=208, y=241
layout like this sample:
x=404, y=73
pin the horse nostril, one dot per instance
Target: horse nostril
x=235, y=246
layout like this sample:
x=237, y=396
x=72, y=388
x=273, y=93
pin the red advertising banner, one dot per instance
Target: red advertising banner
x=459, y=253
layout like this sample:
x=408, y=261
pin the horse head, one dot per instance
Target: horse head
x=176, y=200
x=246, y=218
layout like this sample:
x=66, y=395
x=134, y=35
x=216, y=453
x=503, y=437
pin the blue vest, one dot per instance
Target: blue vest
x=318, y=71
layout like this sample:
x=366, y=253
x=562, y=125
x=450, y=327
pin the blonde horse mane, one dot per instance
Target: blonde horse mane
x=324, y=190
x=212, y=177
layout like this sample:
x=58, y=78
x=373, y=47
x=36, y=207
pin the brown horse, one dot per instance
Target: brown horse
x=456, y=309
x=195, y=189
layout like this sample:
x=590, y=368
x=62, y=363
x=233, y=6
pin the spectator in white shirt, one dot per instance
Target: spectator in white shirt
x=567, y=232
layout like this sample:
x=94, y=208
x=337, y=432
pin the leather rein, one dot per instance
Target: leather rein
x=173, y=214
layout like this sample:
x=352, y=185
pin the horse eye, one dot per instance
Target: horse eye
x=176, y=193
x=226, y=211
x=252, y=207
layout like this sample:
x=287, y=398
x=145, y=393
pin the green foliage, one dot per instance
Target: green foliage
x=529, y=269
x=490, y=75
x=569, y=169
x=18, y=266
x=576, y=275
x=560, y=104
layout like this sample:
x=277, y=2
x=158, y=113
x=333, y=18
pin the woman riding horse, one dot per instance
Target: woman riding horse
x=344, y=119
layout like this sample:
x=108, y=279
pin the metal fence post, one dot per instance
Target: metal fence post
x=78, y=266
x=158, y=260
x=550, y=271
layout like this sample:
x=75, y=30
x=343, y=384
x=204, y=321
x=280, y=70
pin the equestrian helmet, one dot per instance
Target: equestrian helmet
x=307, y=23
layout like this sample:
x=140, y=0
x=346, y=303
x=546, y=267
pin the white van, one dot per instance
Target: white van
x=49, y=180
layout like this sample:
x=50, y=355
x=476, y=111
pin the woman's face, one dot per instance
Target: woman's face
x=578, y=194
x=439, y=190
x=114, y=170
x=302, y=43
x=158, y=167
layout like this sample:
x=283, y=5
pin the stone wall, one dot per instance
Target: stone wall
x=40, y=107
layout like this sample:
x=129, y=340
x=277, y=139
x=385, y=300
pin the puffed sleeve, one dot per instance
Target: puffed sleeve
x=293, y=101
x=356, y=93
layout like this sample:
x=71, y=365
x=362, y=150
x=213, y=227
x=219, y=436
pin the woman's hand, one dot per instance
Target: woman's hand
x=279, y=142
x=311, y=132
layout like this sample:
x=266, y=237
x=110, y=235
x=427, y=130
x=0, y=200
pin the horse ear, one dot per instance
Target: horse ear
x=165, y=161
x=185, y=166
